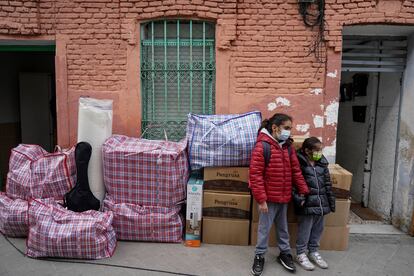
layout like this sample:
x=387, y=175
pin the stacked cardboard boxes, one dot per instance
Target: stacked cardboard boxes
x=226, y=206
x=341, y=181
x=336, y=232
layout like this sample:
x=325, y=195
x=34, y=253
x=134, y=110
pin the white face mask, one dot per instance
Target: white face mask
x=284, y=135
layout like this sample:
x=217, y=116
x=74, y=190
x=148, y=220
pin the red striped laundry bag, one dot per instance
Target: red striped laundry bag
x=57, y=232
x=13, y=216
x=36, y=173
x=146, y=223
x=145, y=172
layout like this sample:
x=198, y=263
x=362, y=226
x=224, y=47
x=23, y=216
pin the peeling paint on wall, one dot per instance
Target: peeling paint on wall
x=271, y=106
x=317, y=121
x=316, y=91
x=330, y=152
x=332, y=74
x=280, y=101
x=302, y=128
x=322, y=107
x=331, y=113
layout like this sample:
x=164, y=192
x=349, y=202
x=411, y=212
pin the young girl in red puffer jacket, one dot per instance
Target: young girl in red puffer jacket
x=271, y=184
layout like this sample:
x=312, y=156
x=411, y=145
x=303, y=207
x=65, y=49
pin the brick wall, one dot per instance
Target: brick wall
x=19, y=17
x=262, y=46
x=351, y=12
x=271, y=50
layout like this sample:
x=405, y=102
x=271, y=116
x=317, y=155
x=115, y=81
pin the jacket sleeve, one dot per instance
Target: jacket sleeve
x=328, y=186
x=297, y=199
x=297, y=176
x=256, y=174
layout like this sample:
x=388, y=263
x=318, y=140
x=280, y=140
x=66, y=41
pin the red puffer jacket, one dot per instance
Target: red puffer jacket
x=274, y=183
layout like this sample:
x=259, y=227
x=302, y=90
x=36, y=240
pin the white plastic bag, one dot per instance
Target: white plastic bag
x=94, y=127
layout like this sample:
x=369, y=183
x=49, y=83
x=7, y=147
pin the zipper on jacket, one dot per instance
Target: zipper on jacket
x=317, y=182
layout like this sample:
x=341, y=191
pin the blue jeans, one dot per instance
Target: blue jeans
x=277, y=214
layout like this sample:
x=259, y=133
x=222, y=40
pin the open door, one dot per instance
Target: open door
x=35, y=109
x=368, y=120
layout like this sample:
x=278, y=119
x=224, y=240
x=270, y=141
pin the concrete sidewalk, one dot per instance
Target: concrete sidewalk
x=367, y=255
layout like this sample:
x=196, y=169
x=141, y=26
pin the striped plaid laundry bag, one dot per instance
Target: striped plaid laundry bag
x=145, y=172
x=36, y=173
x=221, y=140
x=57, y=232
x=13, y=216
x=146, y=223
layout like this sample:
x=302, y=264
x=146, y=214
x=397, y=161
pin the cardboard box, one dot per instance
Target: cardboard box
x=226, y=231
x=253, y=235
x=341, y=215
x=298, y=141
x=226, y=205
x=339, y=218
x=194, y=212
x=333, y=238
x=341, y=178
x=227, y=179
x=290, y=213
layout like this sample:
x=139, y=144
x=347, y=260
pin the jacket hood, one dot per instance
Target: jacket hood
x=265, y=136
x=323, y=162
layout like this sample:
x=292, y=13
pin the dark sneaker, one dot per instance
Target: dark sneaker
x=258, y=264
x=286, y=260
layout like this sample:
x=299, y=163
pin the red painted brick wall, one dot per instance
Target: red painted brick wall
x=261, y=45
x=19, y=17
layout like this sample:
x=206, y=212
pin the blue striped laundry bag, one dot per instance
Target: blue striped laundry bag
x=222, y=140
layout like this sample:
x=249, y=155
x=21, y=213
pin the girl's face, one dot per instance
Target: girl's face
x=316, y=153
x=277, y=130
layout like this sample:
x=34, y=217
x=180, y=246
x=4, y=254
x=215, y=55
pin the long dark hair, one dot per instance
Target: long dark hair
x=277, y=119
x=310, y=143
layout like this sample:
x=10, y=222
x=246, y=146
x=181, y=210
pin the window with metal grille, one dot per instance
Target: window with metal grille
x=177, y=75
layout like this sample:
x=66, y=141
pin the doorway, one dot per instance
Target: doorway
x=373, y=66
x=27, y=98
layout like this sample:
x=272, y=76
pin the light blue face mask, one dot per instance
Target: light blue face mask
x=284, y=135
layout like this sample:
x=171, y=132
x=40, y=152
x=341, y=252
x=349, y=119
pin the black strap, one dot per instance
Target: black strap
x=267, y=152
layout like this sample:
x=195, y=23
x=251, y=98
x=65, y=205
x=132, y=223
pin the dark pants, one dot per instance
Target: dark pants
x=310, y=229
x=277, y=214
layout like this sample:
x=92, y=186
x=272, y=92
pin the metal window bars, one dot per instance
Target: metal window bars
x=177, y=75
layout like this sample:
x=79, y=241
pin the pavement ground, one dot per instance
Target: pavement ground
x=368, y=254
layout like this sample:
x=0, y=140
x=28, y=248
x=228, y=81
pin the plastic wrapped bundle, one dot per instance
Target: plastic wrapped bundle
x=146, y=223
x=13, y=216
x=94, y=127
x=221, y=140
x=36, y=173
x=57, y=232
x=145, y=172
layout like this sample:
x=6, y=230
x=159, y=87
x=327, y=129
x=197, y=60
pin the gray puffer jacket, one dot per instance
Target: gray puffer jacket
x=321, y=199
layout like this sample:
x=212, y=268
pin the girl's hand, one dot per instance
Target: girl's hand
x=263, y=207
x=303, y=201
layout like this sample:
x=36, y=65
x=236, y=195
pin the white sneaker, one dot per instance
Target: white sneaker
x=317, y=259
x=304, y=262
